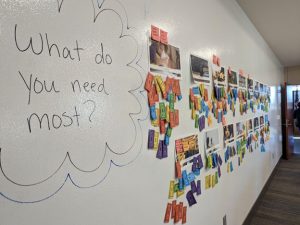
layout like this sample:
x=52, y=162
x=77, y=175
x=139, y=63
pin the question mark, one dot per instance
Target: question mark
x=94, y=108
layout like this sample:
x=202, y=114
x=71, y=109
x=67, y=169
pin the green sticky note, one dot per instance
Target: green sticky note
x=169, y=131
x=162, y=108
x=197, y=121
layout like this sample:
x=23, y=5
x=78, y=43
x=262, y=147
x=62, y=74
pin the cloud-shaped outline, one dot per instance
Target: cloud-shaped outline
x=136, y=93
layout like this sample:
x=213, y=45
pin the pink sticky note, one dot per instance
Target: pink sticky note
x=215, y=59
x=155, y=33
x=163, y=37
x=241, y=72
x=218, y=61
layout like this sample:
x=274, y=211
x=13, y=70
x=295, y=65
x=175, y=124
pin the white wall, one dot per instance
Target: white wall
x=292, y=75
x=136, y=193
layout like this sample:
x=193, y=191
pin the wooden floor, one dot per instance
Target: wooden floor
x=280, y=203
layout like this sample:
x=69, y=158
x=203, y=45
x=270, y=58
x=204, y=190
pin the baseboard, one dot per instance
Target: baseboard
x=249, y=217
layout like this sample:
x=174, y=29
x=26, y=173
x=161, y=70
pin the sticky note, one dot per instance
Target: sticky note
x=179, y=193
x=169, y=131
x=215, y=59
x=155, y=34
x=178, y=170
x=167, y=114
x=163, y=37
x=168, y=213
x=207, y=181
x=176, y=117
x=162, y=110
x=172, y=119
x=184, y=214
x=173, y=209
x=171, y=189
x=180, y=210
x=164, y=150
x=176, y=220
x=153, y=115
x=218, y=61
x=156, y=140
x=148, y=83
x=193, y=187
x=162, y=126
x=191, y=177
x=159, y=153
x=185, y=178
x=151, y=139
x=167, y=140
x=190, y=198
x=198, y=187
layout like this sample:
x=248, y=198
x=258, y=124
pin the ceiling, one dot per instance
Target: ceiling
x=278, y=21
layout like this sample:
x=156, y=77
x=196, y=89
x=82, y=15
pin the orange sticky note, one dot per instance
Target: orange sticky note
x=168, y=213
x=162, y=126
x=184, y=214
x=172, y=119
x=163, y=37
x=148, y=83
x=180, y=210
x=176, y=117
x=155, y=33
x=177, y=214
x=173, y=209
x=178, y=170
x=150, y=98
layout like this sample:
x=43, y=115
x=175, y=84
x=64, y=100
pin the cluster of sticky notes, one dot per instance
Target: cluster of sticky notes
x=231, y=98
x=219, y=104
x=229, y=152
x=200, y=106
x=159, y=35
x=185, y=182
x=213, y=160
x=162, y=96
x=175, y=211
x=212, y=179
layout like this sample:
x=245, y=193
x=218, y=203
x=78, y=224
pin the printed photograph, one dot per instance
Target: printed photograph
x=261, y=87
x=232, y=78
x=256, y=86
x=240, y=129
x=228, y=133
x=186, y=147
x=199, y=69
x=242, y=81
x=249, y=125
x=164, y=59
x=250, y=83
x=261, y=120
x=256, y=123
x=211, y=139
x=219, y=75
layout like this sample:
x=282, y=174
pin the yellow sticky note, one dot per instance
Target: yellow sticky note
x=156, y=140
x=155, y=122
x=207, y=181
x=193, y=113
x=209, y=121
x=213, y=181
x=171, y=189
x=179, y=193
x=228, y=168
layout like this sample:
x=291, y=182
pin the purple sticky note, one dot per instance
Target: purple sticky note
x=193, y=187
x=219, y=171
x=151, y=139
x=200, y=161
x=220, y=160
x=165, y=151
x=159, y=153
x=198, y=187
x=190, y=198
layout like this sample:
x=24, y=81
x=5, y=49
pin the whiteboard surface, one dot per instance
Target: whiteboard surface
x=97, y=169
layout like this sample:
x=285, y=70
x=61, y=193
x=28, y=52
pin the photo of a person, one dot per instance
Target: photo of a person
x=228, y=132
x=164, y=58
x=240, y=127
x=256, y=123
x=261, y=120
x=232, y=78
x=250, y=84
x=242, y=81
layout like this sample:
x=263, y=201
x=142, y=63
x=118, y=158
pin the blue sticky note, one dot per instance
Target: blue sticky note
x=185, y=178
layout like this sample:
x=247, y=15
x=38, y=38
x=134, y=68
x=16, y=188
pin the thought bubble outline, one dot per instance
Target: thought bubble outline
x=134, y=64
